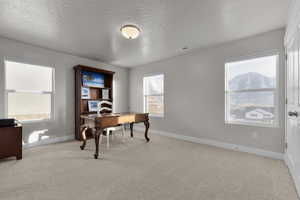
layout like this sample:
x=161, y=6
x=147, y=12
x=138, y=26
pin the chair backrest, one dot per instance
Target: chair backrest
x=102, y=107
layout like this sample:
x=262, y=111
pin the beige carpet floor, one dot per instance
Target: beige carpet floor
x=164, y=169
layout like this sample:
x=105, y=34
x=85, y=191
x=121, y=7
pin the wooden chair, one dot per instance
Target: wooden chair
x=108, y=131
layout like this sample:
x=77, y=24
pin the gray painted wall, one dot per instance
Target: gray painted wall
x=194, y=93
x=63, y=123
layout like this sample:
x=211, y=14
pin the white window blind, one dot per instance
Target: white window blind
x=29, y=91
x=154, y=95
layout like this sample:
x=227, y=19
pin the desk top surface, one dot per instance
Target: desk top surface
x=93, y=116
x=15, y=126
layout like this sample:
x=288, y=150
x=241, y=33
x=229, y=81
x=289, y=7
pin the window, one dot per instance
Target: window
x=154, y=95
x=29, y=91
x=251, y=91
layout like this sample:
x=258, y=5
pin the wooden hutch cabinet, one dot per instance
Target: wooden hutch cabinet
x=95, y=94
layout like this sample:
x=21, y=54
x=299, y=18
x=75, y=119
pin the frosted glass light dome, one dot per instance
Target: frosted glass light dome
x=130, y=31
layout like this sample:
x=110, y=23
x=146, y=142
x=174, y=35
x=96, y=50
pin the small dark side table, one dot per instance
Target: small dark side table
x=11, y=141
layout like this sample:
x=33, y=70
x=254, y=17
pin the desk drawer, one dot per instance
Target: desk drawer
x=105, y=122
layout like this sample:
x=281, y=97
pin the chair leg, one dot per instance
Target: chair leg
x=112, y=136
x=123, y=132
x=101, y=138
x=107, y=139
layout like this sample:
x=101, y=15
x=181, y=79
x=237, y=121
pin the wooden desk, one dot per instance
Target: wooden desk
x=98, y=122
x=11, y=141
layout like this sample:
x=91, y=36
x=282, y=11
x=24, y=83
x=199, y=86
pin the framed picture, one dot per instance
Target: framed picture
x=105, y=93
x=85, y=93
x=93, y=106
x=92, y=79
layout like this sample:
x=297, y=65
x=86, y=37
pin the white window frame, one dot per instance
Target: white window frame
x=144, y=96
x=7, y=91
x=275, y=90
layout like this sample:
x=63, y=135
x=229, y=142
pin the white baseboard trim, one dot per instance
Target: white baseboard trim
x=49, y=141
x=290, y=164
x=260, y=152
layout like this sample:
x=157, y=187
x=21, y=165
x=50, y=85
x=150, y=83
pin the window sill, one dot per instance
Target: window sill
x=36, y=121
x=156, y=116
x=251, y=124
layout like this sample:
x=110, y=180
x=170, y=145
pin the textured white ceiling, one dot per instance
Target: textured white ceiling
x=91, y=28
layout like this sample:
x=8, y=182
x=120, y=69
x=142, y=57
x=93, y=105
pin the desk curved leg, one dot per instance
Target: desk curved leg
x=131, y=129
x=83, y=138
x=98, y=135
x=147, y=125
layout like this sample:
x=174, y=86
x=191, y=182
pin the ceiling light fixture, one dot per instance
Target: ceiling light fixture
x=130, y=31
